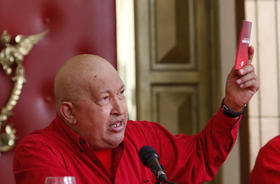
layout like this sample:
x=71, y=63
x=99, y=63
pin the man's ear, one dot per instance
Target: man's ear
x=66, y=111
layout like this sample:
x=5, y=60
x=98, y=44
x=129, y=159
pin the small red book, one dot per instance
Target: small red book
x=241, y=58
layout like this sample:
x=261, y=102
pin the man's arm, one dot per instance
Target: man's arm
x=34, y=160
x=196, y=159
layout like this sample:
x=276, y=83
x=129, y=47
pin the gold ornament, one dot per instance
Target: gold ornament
x=9, y=55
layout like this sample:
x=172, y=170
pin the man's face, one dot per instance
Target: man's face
x=101, y=111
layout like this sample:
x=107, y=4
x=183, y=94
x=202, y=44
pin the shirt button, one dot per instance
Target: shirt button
x=95, y=162
x=82, y=141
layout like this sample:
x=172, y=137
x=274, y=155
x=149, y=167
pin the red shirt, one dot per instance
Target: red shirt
x=105, y=157
x=267, y=166
x=58, y=151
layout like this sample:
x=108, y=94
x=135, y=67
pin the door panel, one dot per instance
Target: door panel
x=174, y=59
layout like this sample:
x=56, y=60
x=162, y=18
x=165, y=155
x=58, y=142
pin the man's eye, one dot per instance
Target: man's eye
x=104, y=100
x=121, y=93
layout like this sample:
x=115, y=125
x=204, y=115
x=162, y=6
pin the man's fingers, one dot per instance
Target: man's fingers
x=252, y=84
x=247, y=69
x=249, y=77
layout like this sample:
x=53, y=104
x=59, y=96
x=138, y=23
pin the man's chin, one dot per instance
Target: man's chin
x=116, y=140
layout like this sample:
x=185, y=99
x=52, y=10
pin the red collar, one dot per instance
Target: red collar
x=75, y=137
x=105, y=156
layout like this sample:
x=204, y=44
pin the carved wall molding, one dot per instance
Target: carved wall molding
x=10, y=55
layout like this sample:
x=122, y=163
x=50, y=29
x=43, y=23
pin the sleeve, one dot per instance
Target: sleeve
x=267, y=166
x=34, y=160
x=196, y=158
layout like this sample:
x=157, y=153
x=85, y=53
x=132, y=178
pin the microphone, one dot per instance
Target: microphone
x=150, y=159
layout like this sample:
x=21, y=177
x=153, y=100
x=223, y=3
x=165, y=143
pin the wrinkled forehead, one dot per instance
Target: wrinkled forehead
x=98, y=77
x=104, y=80
x=98, y=71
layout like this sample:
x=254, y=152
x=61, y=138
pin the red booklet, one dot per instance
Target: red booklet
x=241, y=58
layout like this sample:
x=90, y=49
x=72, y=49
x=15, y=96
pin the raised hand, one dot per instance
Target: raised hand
x=241, y=85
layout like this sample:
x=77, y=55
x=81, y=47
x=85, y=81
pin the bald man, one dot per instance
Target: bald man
x=91, y=138
x=88, y=89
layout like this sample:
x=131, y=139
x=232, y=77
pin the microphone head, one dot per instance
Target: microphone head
x=150, y=159
x=145, y=153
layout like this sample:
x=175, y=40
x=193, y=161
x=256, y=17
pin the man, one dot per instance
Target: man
x=92, y=139
x=267, y=166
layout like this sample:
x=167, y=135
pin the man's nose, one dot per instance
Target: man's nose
x=118, y=106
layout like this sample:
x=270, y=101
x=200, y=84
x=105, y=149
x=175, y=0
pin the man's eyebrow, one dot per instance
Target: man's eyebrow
x=105, y=91
x=108, y=91
x=123, y=86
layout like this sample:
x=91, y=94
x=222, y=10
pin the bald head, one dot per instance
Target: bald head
x=90, y=100
x=75, y=74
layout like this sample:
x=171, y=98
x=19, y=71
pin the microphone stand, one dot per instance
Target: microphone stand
x=164, y=179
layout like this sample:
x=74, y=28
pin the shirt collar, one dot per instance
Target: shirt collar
x=73, y=136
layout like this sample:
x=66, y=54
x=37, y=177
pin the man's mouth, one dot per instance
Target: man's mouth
x=117, y=126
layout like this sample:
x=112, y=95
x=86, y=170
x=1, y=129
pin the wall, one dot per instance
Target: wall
x=231, y=168
x=264, y=108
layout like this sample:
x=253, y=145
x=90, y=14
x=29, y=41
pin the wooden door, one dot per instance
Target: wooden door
x=177, y=63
